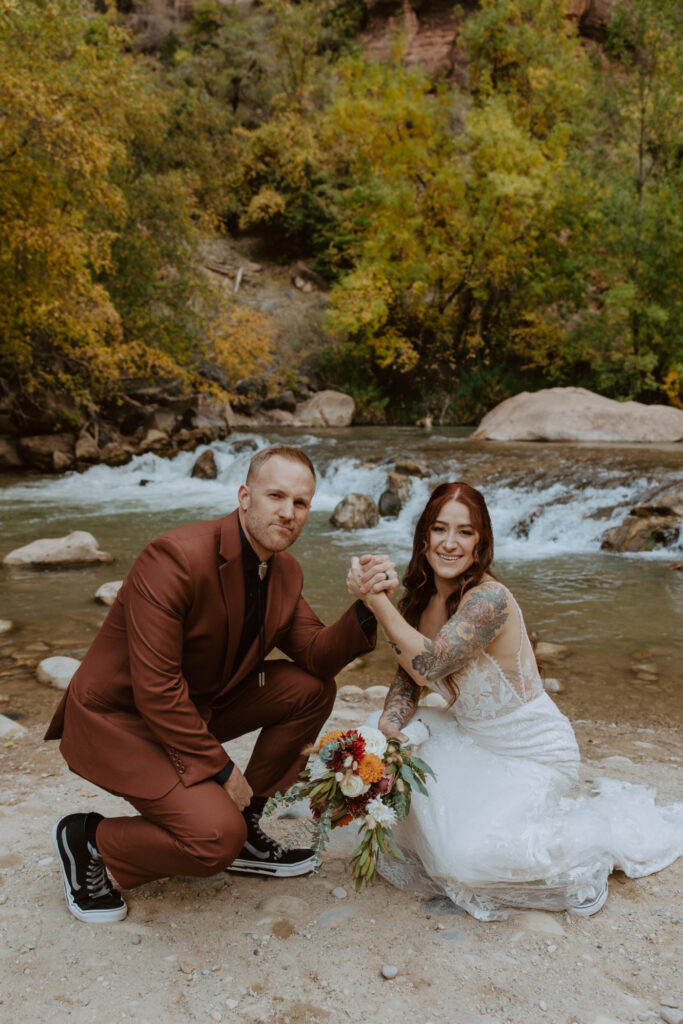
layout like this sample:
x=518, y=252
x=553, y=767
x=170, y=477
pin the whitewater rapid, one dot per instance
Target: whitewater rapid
x=530, y=521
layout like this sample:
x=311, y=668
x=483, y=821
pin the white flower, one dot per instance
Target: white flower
x=317, y=769
x=375, y=741
x=381, y=814
x=353, y=785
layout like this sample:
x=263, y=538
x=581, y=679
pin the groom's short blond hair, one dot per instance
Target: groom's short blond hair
x=285, y=451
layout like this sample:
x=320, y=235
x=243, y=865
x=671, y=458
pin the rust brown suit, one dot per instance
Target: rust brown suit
x=158, y=692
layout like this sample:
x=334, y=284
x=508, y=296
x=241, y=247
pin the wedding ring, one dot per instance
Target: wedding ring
x=386, y=574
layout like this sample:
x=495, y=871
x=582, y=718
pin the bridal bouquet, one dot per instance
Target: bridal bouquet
x=358, y=775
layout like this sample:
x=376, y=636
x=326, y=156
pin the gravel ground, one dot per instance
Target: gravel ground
x=305, y=950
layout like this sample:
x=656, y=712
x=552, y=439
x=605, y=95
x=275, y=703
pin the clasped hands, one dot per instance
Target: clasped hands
x=371, y=574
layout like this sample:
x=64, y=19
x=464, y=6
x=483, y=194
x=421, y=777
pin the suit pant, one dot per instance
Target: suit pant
x=199, y=830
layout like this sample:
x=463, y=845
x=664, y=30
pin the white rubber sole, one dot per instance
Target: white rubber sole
x=268, y=869
x=94, y=916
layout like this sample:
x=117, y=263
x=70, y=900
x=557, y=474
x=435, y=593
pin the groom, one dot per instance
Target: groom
x=177, y=669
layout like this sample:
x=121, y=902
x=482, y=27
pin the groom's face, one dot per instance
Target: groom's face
x=274, y=505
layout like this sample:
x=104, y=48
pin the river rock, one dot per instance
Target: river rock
x=9, y=454
x=50, y=453
x=576, y=414
x=116, y=453
x=10, y=730
x=389, y=504
x=412, y=467
x=551, y=652
x=87, y=449
x=77, y=548
x=355, y=512
x=106, y=594
x=326, y=409
x=670, y=1015
x=57, y=672
x=6, y=626
x=642, y=533
x=552, y=686
x=205, y=467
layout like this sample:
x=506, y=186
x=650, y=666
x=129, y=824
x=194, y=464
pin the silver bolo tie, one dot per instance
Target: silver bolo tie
x=262, y=570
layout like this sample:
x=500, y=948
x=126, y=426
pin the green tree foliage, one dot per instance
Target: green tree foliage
x=459, y=211
x=632, y=339
x=98, y=229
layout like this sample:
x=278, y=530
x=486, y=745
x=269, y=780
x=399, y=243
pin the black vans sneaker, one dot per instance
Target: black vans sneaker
x=90, y=895
x=261, y=855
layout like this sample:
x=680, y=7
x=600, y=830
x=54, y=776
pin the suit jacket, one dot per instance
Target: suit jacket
x=135, y=717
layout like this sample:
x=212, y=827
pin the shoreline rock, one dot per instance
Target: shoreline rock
x=74, y=549
x=576, y=414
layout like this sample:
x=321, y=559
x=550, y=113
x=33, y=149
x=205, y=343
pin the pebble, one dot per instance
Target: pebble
x=106, y=594
x=671, y=1015
x=231, y=1003
x=389, y=972
x=6, y=625
x=46, y=860
x=452, y=936
x=543, y=1005
x=135, y=939
x=339, y=892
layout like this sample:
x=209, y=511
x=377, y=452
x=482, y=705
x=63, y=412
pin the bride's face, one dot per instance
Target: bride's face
x=452, y=541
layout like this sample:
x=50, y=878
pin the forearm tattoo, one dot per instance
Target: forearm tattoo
x=480, y=617
x=395, y=648
x=401, y=700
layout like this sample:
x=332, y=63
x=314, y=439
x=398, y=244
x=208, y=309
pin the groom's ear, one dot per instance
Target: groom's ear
x=243, y=497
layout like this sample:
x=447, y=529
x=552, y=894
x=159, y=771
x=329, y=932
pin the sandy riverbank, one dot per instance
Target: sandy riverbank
x=233, y=948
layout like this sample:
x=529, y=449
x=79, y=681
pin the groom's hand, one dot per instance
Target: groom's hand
x=238, y=788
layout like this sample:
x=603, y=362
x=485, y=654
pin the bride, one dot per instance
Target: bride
x=498, y=831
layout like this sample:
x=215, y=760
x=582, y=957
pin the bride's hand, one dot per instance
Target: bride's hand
x=372, y=574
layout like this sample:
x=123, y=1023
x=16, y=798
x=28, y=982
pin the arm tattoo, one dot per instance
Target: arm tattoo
x=395, y=648
x=479, y=619
x=401, y=700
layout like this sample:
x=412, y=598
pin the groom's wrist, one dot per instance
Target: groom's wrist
x=366, y=619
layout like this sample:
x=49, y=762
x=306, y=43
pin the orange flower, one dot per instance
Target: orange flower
x=345, y=820
x=370, y=768
x=330, y=737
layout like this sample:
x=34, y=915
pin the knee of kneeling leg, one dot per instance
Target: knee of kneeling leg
x=219, y=849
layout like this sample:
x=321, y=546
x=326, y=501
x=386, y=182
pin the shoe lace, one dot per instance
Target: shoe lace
x=96, y=880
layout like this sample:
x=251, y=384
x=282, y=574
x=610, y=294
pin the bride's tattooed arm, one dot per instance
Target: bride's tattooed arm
x=477, y=622
x=400, y=704
x=480, y=618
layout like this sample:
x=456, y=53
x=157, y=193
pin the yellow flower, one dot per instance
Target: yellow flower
x=330, y=737
x=370, y=768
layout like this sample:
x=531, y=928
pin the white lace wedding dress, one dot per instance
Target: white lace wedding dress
x=499, y=830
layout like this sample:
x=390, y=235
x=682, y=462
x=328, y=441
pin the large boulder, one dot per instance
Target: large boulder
x=575, y=414
x=355, y=512
x=326, y=409
x=57, y=672
x=50, y=453
x=77, y=548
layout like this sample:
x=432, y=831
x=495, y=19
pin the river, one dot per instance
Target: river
x=550, y=505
